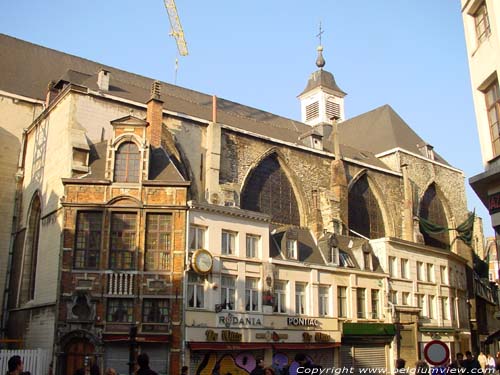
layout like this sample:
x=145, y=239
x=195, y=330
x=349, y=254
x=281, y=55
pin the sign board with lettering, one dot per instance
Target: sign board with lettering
x=494, y=203
x=238, y=320
x=302, y=322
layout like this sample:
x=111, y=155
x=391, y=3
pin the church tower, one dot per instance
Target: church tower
x=322, y=99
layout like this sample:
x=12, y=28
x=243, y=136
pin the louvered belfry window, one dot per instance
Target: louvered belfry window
x=432, y=209
x=332, y=109
x=312, y=111
x=269, y=191
x=365, y=216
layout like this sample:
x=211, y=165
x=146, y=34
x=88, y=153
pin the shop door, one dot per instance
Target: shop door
x=363, y=356
x=79, y=352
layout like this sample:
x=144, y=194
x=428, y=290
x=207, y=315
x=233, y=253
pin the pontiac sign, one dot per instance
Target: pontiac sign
x=303, y=322
x=239, y=320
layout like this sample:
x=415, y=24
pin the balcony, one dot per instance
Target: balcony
x=120, y=283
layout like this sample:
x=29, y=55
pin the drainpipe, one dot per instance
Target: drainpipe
x=184, y=290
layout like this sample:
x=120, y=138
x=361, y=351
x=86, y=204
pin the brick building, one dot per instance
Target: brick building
x=101, y=219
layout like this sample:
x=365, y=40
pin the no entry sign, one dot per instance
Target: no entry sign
x=436, y=352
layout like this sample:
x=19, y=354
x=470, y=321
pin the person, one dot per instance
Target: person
x=457, y=363
x=259, y=367
x=15, y=365
x=421, y=367
x=497, y=362
x=400, y=365
x=143, y=362
x=110, y=371
x=269, y=371
x=471, y=364
x=94, y=370
x=482, y=361
x=490, y=364
x=184, y=370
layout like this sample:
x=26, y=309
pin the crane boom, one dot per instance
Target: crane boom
x=176, y=27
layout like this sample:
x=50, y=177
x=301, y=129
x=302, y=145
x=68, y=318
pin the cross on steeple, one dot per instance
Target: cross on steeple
x=321, y=31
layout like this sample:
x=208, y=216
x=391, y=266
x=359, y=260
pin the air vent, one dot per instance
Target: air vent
x=312, y=111
x=332, y=109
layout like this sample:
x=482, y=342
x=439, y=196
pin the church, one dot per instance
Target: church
x=141, y=216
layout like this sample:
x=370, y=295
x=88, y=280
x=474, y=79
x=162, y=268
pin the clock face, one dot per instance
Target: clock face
x=202, y=261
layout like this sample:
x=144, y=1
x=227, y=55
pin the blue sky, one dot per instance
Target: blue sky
x=409, y=54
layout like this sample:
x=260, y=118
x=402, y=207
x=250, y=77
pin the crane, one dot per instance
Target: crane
x=176, y=27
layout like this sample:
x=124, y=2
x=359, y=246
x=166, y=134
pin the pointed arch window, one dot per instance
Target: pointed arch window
x=365, y=216
x=432, y=209
x=127, y=163
x=27, y=292
x=268, y=190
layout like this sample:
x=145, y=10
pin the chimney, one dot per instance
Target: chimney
x=103, y=80
x=51, y=93
x=154, y=115
x=336, y=141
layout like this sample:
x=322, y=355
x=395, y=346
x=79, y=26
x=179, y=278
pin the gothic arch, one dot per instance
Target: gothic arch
x=268, y=177
x=373, y=223
x=30, y=251
x=432, y=205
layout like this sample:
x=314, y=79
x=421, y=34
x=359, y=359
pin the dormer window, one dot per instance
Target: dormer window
x=291, y=249
x=127, y=163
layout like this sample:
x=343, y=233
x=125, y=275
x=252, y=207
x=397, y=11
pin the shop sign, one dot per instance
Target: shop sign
x=231, y=336
x=494, y=203
x=275, y=336
x=211, y=335
x=321, y=337
x=306, y=337
x=238, y=320
x=303, y=322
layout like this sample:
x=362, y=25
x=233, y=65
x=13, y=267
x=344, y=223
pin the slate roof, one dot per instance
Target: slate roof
x=322, y=78
x=386, y=129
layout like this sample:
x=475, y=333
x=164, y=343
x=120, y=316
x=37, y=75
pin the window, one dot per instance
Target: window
x=444, y=275
x=375, y=304
x=421, y=305
x=228, y=242
x=31, y=251
x=120, y=310
x=405, y=298
x=323, y=300
x=430, y=272
x=252, y=246
x=332, y=109
x=492, y=96
x=300, y=298
x=360, y=302
x=367, y=261
x=346, y=260
x=122, y=253
x=291, y=249
x=280, y=297
x=155, y=311
x=333, y=256
x=228, y=292
x=392, y=266
x=420, y=271
x=127, y=163
x=482, y=23
x=393, y=297
x=405, y=273
x=196, y=291
x=251, y=294
x=312, y=111
x=88, y=240
x=342, y=301
x=431, y=307
x=445, y=308
x=196, y=237
x=158, y=241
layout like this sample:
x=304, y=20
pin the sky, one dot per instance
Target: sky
x=406, y=53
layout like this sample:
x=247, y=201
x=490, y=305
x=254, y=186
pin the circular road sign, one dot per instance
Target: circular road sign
x=436, y=352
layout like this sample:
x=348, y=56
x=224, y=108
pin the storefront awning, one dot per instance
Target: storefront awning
x=139, y=338
x=446, y=330
x=305, y=346
x=491, y=338
x=372, y=329
x=228, y=346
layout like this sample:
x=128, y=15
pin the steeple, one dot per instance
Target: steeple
x=322, y=99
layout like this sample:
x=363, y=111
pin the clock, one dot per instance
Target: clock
x=202, y=261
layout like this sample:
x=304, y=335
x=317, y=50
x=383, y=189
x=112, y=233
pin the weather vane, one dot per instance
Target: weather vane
x=321, y=31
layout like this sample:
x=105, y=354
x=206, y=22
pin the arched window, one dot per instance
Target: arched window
x=365, y=216
x=269, y=191
x=27, y=292
x=432, y=209
x=127, y=163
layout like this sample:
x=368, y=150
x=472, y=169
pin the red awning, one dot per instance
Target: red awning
x=228, y=346
x=305, y=346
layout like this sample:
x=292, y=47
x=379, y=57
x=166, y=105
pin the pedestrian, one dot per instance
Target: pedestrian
x=15, y=365
x=482, y=361
x=110, y=371
x=490, y=364
x=456, y=364
x=497, y=362
x=421, y=367
x=259, y=367
x=471, y=364
x=143, y=362
x=269, y=371
x=400, y=365
x=184, y=370
x=94, y=370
